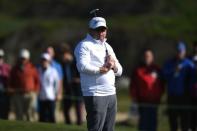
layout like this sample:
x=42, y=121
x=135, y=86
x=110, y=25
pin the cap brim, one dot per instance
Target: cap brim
x=99, y=24
x=44, y=59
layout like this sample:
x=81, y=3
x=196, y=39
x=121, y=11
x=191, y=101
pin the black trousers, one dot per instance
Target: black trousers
x=5, y=106
x=148, y=118
x=101, y=112
x=178, y=113
x=46, y=111
x=193, y=114
x=67, y=104
x=73, y=96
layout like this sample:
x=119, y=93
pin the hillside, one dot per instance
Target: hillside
x=136, y=24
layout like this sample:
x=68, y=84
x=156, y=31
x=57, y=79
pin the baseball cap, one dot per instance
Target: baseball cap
x=181, y=47
x=195, y=58
x=46, y=56
x=96, y=22
x=24, y=53
x=1, y=52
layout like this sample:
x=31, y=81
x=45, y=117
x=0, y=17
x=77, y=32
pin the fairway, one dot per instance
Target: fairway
x=27, y=126
x=123, y=106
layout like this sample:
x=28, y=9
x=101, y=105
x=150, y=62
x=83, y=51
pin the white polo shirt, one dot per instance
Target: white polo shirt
x=90, y=56
x=49, y=83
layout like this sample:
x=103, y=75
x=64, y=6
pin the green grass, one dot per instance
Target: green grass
x=123, y=100
x=123, y=105
x=28, y=126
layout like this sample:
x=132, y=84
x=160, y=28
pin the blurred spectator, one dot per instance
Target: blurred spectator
x=72, y=90
x=50, y=50
x=177, y=73
x=146, y=90
x=4, y=96
x=194, y=91
x=24, y=83
x=48, y=90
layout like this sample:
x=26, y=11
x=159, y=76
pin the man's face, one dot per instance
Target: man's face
x=51, y=51
x=181, y=54
x=148, y=57
x=23, y=60
x=1, y=59
x=100, y=33
x=67, y=57
x=44, y=63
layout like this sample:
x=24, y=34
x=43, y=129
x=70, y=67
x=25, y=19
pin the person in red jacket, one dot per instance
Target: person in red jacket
x=4, y=93
x=24, y=83
x=146, y=89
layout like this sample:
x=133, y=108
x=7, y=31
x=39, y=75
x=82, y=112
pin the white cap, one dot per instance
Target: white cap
x=195, y=58
x=46, y=56
x=1, y=52
x=24, y=53
x=96, y=22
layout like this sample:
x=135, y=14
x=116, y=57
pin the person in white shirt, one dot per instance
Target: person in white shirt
x=98, y=66
x=48, y=91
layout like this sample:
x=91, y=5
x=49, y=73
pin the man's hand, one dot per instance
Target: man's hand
x=104, y=70
x=59, y=97
x=110, y=63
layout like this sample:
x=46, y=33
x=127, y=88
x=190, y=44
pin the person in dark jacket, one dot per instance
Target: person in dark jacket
x=177, y=73
x=72, y=89
x=193, y=111
x=146, y=89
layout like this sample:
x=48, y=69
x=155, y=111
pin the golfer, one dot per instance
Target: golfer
x=98, y=66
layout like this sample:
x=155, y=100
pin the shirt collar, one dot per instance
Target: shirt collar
x=94, y=40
